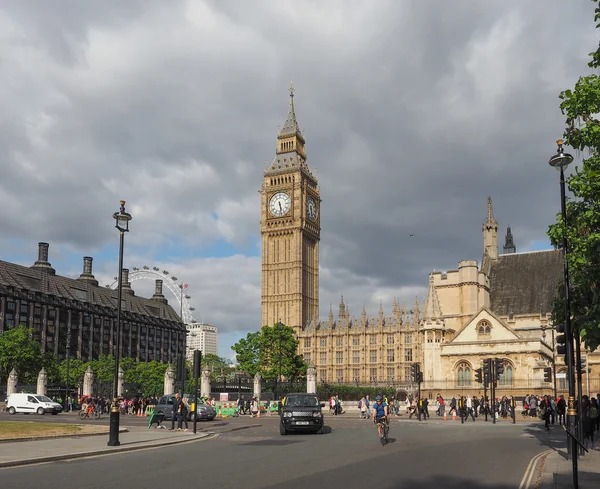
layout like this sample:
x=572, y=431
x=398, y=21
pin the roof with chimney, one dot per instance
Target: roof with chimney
x=525, y=283
x=42, y=278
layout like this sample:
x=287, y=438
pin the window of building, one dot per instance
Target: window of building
x=307, y=342
x=373, y=340
x=339, y=357
x=390, y=374
x=323, y=358
x=323, y=375
x=408, y=338
x=407, y=373
x=373, y=374
x=24, y=309
x=463, y=374
x=408, y=356
x=373, y=356
x=356, y=341
x=390, y=355
x=323, y=342
x=339, y=375
x=339, y=341
x=506, y=378
x=561, y=380
x=484, y=329
x=356, y=356
x=356, y=375
x=390, y=339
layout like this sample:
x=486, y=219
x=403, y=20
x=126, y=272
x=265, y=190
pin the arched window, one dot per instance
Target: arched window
x=484, y=329
x=506, y=378
x=463, y=374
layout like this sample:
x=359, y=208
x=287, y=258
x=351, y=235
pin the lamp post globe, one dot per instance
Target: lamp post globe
x=560, y=160
x=122, y=219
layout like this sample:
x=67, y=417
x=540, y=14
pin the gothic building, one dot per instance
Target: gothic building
x=498, y=308
x=77, y=317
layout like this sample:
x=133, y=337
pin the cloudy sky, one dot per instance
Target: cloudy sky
x=414, y=112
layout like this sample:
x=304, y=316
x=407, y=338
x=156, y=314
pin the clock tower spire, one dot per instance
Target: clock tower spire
x=290, y=229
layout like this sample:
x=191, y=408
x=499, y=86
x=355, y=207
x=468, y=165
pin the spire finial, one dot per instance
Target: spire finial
x=291, y=90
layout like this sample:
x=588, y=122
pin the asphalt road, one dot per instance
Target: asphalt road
x=421, y=455
x=73, y=417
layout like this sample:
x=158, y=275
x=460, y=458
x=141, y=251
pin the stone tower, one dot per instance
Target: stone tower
x=490, y=233
x=290, y=229
x=433, y=330
x=509, y=242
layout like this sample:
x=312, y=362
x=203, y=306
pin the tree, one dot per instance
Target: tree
x=219, y=366
x=261, y=352
x=278, y=347
x=581, y=106
x=20, y=351
x=146, y=378
x=247, y=352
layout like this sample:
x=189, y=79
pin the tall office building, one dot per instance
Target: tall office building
x=203, y=337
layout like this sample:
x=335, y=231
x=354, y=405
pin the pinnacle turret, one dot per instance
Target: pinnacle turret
x=432, y=310
x=509, y=244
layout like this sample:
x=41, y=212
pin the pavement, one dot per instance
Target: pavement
x=29, y=452
x=556, y=470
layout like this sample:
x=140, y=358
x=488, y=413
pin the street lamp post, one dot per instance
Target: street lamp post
x=278, y=380
x=560, y=161
x=68, y=366
x=122, y=219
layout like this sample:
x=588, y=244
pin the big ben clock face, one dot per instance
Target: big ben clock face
x=280, y=204
x=311, y=208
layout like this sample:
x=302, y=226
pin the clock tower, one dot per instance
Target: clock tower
x=290, y=227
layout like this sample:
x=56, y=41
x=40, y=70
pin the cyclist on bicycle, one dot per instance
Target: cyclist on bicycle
x=380, y=413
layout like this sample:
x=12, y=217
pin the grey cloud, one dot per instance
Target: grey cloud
x=414, y=113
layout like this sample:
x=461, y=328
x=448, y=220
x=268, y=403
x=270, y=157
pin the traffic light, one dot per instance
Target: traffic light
x=583, y=365
x=561, y=342
x=499, y=367
x=419, y=376
x=548, y=374
x=487, y=371
x=415, y=372
x=478, y=375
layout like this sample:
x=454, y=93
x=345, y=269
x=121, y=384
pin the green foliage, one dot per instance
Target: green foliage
x=219, y=367
x=147, y=378
x=76, y=370
x=352, y=393
x=20, y=351
x=263, y=351
x=247, y=352
x=278, y=347
x=581, y=106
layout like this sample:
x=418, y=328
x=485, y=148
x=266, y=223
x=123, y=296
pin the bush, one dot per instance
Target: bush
x=353, y=393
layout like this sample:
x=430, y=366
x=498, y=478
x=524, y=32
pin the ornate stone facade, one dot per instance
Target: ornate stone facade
x=290, y=228
x=501, y=309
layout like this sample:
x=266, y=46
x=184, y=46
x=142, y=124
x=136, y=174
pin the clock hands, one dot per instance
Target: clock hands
x=280, y=208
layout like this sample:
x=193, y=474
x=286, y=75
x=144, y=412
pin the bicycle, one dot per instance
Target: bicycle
x=385, y=429
x=89, y=412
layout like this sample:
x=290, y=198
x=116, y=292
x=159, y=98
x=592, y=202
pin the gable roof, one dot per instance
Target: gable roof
x=485, y=313
x=525, y=283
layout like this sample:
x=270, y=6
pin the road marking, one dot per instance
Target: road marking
x=526, y=480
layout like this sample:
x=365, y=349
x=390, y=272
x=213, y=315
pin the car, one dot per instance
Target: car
x=301, y=412
x=31, y=403
x=203, y=411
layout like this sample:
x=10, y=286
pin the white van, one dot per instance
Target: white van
x=31, y=403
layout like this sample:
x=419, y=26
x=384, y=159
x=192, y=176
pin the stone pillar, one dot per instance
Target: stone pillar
x=169, y=385
x=88, y=382
x=11, y=385
x=311, y=379
x=42, y=383
x=205, y=382
x=120, y=381
x=257, y=385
